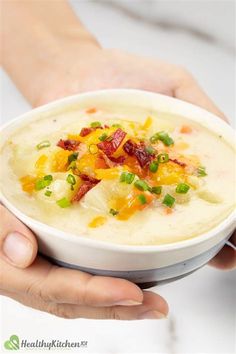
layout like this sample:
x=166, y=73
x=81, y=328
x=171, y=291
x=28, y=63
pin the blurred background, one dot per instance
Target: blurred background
x=199, y=35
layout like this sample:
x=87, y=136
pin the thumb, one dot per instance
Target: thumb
x=18, y=245
x=189, y=90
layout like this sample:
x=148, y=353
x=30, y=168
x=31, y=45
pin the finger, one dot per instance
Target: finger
x=189, y=90
x=54, y=284
x=18, y=245
x=153, y=307
x=226, y=258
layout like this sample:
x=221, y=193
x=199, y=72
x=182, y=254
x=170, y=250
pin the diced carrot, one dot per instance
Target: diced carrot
x=186, y=129
x=97, y=221
x=91, y=110
x=28, y=183
x=100, y=163
x=168, y=211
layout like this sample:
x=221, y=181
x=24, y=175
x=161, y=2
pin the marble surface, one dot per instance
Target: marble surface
x=202, y=319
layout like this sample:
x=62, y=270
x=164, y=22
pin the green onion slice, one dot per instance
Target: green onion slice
x=150, y=150
x=116, y=126
x=95, y=125
x=156, y=190
x=162, y=158
x=103, y=137
x=165, y=138
x=72, y=157
x=182, y=188
x=43, y=182
x=48, y=193
x=153, y=167
x=162, y=136
x=71, y=180
x=168, y=200
x=63, y=203
x=40, y=184
x=142, y=199
x=113, y=212
x=127, y=177
x=201, y=171
x=48, y=178
x=43, y=144
x=141, y=185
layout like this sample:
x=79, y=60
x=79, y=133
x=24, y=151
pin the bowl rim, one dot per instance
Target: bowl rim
x=67, y=236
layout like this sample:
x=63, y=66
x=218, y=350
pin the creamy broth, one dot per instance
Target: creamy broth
x=204, y=206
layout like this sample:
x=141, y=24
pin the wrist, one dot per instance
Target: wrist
x=45, y=47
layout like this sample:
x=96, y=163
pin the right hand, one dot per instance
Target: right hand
x=33, y=281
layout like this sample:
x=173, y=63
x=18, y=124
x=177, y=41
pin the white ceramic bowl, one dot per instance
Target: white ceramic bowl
x=144, y=265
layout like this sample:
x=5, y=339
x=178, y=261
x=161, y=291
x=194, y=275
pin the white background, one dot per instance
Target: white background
x=200, y=36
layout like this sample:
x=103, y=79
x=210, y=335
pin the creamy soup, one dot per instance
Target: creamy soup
x=120, y=175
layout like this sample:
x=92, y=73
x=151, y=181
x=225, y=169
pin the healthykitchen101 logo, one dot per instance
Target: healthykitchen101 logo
x=14, y=343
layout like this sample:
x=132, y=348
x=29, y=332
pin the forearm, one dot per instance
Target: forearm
x=33, y=35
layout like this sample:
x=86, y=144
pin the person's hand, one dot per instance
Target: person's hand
x=34, y=282
x=226, y=258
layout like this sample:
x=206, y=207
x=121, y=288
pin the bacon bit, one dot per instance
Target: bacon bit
x=129, y=147
x=185, y=129
x=83, y=189
x=107, y=160
x=117, y=160
x=143, y=157
x=91, y=110
x=90, y=182
x=110, y=145
x=68, y=144
x=180, y=163
x=87, y=178
x=106, y=126
x=86, y=131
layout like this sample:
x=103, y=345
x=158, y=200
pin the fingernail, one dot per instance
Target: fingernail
x=128, y=303
x=17, y=248
x=152, y=315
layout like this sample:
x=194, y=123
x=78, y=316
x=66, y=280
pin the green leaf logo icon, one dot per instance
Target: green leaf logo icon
x=12, y=343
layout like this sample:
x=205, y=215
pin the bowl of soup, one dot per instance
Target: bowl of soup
x=122, y=183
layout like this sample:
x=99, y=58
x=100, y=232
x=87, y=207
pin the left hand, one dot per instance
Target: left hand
x=104, y=69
